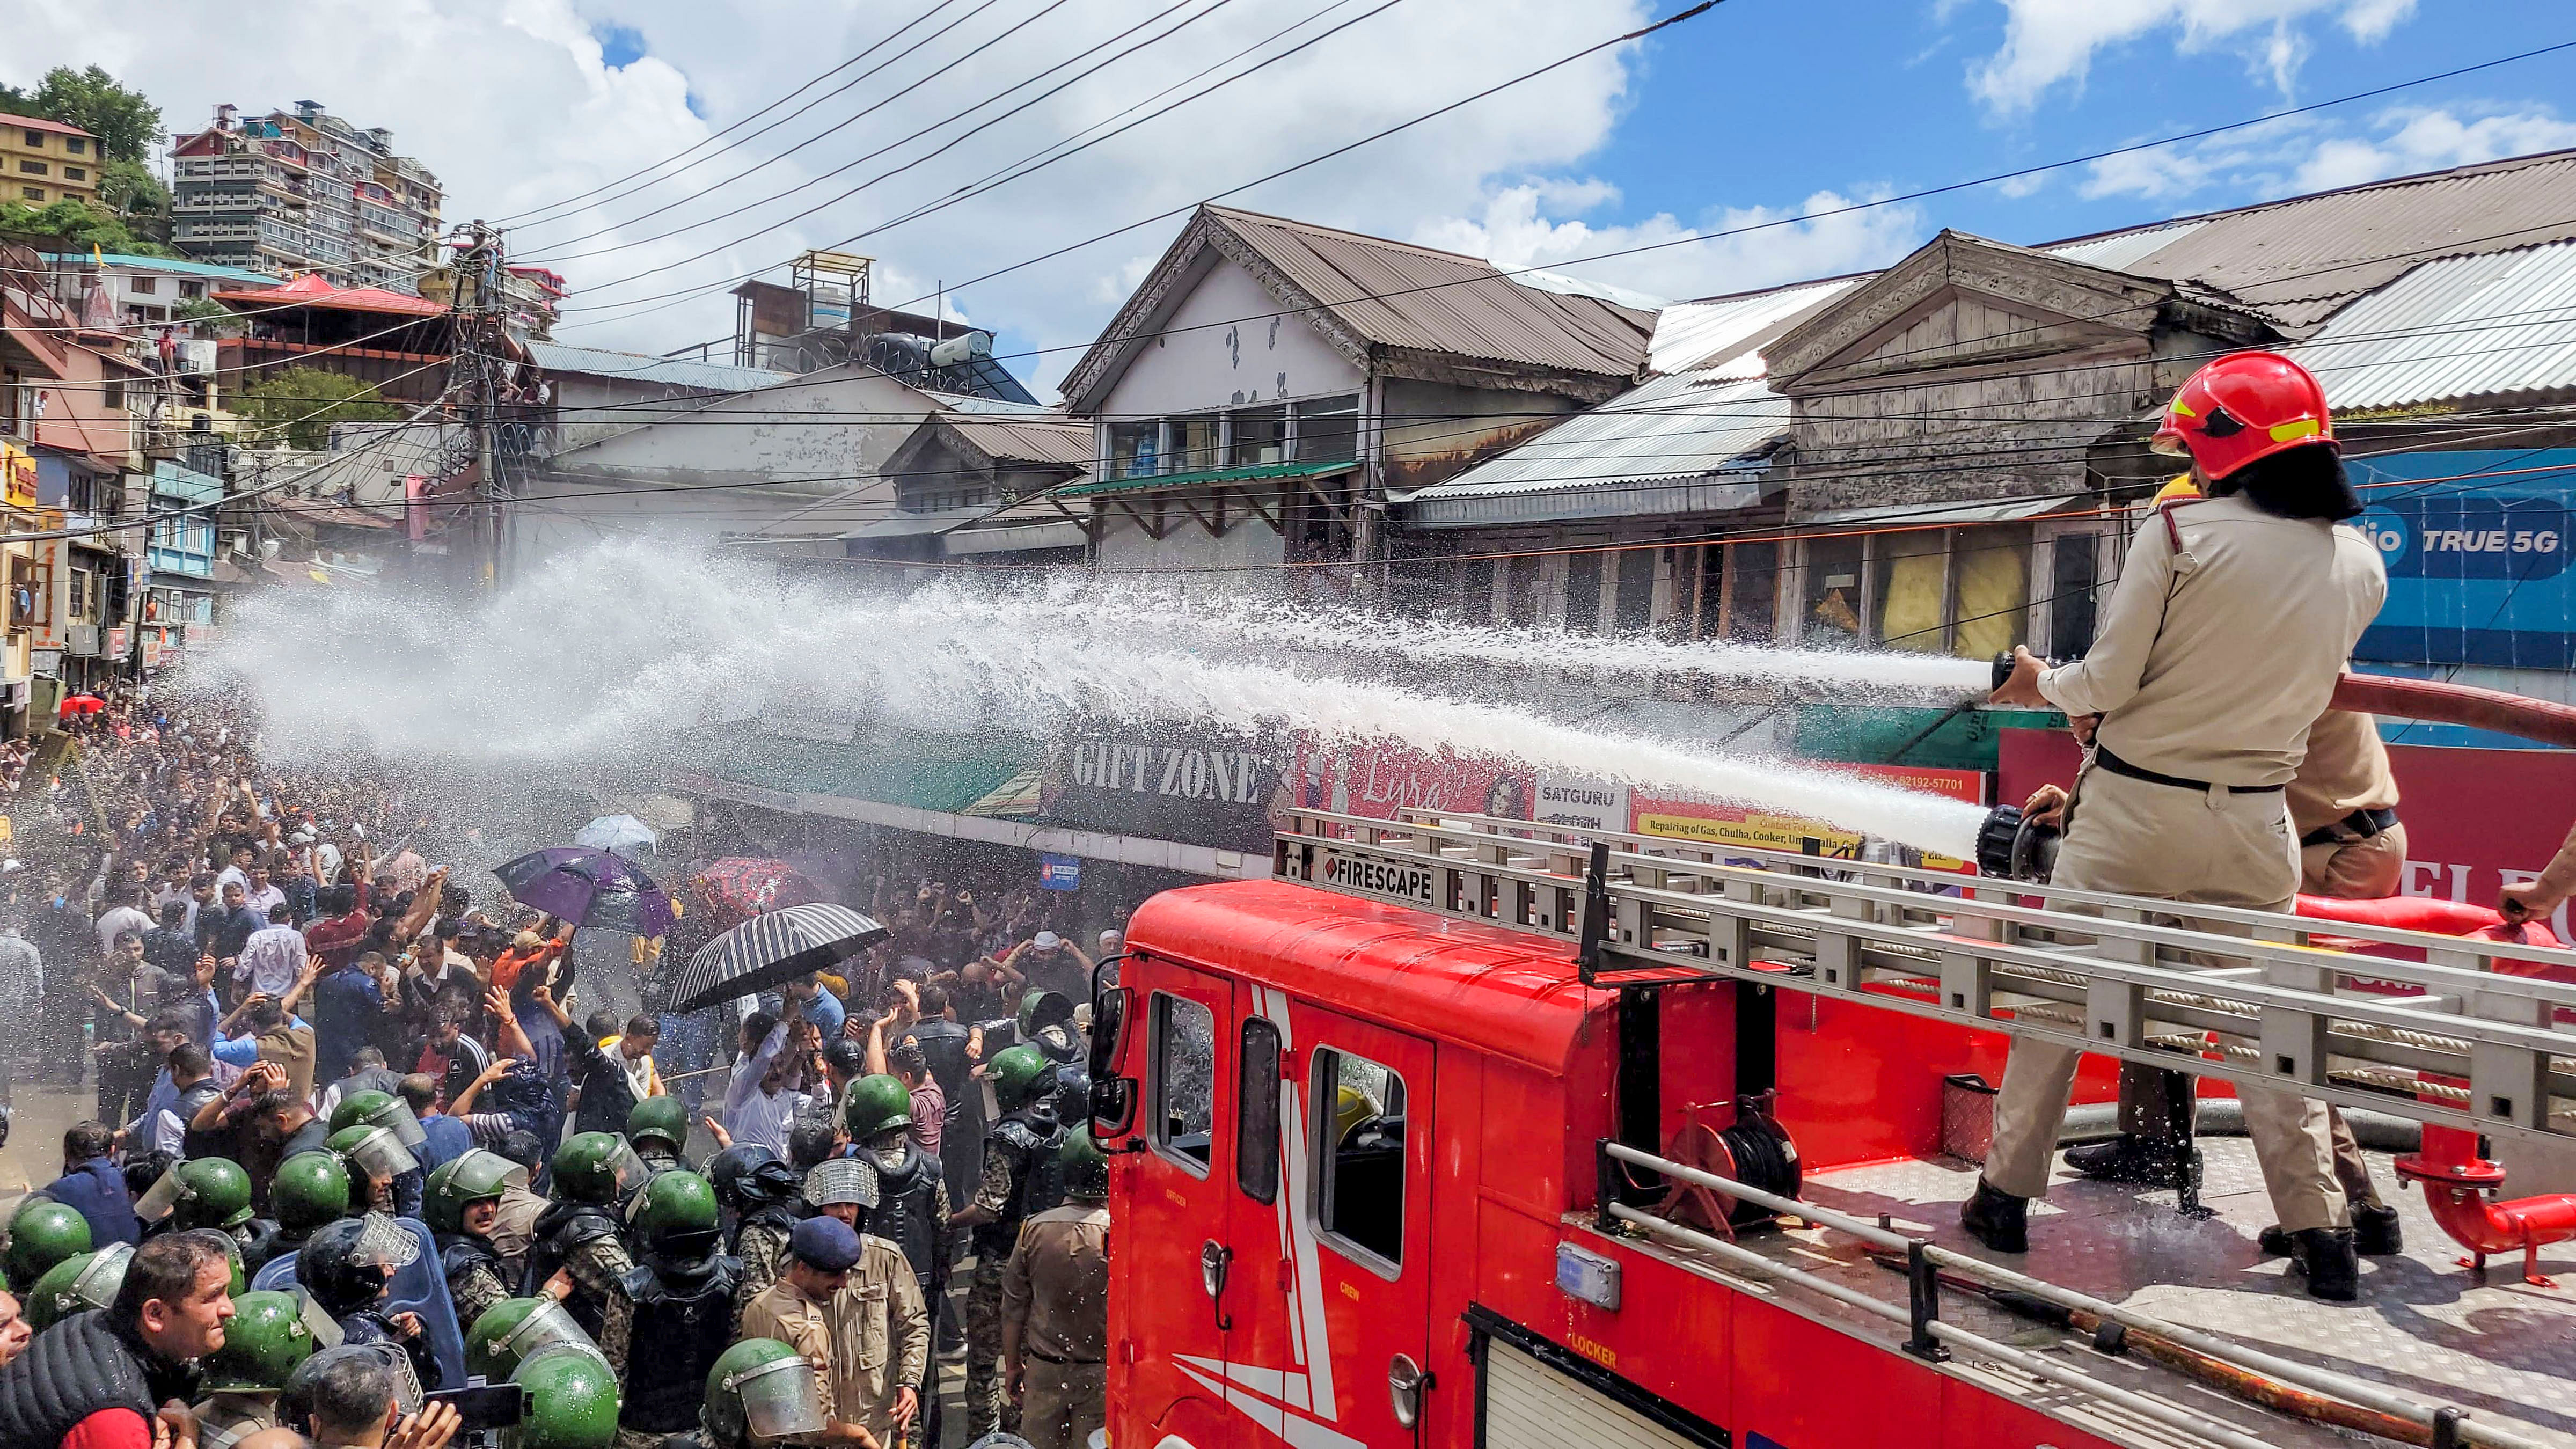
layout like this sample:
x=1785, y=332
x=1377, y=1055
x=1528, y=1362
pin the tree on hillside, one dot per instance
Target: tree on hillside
x=301, y=403
x=77, y=226
x=126, y=123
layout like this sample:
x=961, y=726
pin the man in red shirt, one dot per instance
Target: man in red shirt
x=337, y=939
x=93, y=1381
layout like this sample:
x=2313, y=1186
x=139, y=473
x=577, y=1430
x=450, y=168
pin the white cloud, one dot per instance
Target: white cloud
x=510, y=103
x=2427, y=140
x=1745, y=247
x=2302, y=154
x=2048, y=43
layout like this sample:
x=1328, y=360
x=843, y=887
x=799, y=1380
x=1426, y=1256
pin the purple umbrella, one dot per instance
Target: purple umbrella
x=588, y=888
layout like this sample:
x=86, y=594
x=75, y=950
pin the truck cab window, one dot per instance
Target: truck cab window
x=1256, y=1113
x=1184, y=1080
x=1359, y=1158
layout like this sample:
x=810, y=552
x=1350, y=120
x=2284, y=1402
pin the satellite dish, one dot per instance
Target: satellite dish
x=964, y=348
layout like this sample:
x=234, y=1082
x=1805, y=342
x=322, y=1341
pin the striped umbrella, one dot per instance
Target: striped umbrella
x=772, y=948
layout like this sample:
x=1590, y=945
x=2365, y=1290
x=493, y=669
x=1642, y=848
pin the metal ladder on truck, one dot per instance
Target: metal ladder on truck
x=2144, y=981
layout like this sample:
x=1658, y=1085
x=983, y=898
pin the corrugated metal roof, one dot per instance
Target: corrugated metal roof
x=1999, y=510
x=175, y=265
x=2498, y=325
x=2119, y=250
x=1625, y=456
x=958, y=402
x=1417, y=297
x=1025, y=439
x=1722, y=332
x=2297, y=261
x=637, y=367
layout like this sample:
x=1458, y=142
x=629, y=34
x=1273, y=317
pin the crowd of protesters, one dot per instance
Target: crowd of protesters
x=275, y=992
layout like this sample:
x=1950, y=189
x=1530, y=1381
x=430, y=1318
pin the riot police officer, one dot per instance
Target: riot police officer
x=463, y=1199
x=309, y=1192
x=912, y=1199
x=1055, y=1295
x=761, y=1391
x=265, y=1340
x=578, y=1236
x=392, y=1114
x=43, y=1234
x=658, y=1130
x=348, y=1267
x=572, y=1402
x=1021, y=1177
x=215, y=1193
x=759, y=1193
x=679, y=1300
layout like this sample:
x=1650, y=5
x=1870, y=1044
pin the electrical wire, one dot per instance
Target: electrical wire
x=1679, y=17
x=549, y=254
x=581, y=196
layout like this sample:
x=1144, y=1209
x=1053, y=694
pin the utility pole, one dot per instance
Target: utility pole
x=472, y=380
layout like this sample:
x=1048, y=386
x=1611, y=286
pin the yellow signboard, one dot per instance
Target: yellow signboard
x=17, y=476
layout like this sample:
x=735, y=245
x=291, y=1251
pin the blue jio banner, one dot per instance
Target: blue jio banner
x=2478, y=549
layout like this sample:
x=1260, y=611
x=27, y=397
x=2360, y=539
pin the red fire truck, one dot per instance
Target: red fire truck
x=1463, y=1133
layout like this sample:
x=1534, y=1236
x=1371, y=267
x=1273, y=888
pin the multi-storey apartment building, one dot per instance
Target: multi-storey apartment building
x=43, y=161
x=304, y=190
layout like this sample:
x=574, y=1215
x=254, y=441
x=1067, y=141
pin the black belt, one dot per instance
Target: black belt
x=1063, y=1362
x=2102, y=756
x=2362, y=823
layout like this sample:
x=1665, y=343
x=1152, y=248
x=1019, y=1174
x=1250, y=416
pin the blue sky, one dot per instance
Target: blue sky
x=1884, y=96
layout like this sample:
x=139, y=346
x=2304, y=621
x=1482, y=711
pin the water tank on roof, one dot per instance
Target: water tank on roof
x=964, y=348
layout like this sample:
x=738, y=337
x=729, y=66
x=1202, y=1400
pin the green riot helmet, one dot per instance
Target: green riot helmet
x=375, y=1151
x=516, y=1330
x=309, y=1190
x=42, y=1235
x=875, y=1104
x=763, y=1392
x=1019, y=1075
x=218, y=1237
x=675, y=1217
x=78, y=1284
x=380, y=1109
x=571, y=1402
x=214, y=1193
x=659, y=1119
x=1086, y=1167
x=263, y=1343
x=459, y=1183
x=1040, y=1009
x=595, y=1167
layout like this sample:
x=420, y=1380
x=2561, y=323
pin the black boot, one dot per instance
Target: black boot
x=2326, y=1256
x=2127, y=1158
x=2375, y=1234
x=1996, y=1219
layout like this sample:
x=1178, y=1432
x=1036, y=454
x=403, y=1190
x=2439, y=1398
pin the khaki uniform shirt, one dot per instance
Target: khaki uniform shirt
x=1057, y=1284
x=2346, y=770
x=2212, y=662
x=784, y=1313
x=880, y=1337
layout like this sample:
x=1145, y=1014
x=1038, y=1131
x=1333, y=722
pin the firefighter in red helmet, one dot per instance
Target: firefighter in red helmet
x=2218, y=649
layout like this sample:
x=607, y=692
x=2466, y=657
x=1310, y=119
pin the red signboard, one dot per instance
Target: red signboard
x=2476, y=820
x=1377, y=780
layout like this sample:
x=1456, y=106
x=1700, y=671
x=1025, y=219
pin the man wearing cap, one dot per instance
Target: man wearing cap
x=797, y=1309
x=1049, y=962
x=880, y=1322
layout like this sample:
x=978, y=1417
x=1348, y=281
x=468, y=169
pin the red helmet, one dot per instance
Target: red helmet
x=2243, y=408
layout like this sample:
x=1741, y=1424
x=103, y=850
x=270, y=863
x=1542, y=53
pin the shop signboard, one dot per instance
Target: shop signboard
x=1576, y=802
x=17, y=476
x=1059, y=872
x=1162, y=782
x=2478, y=547
x=1757, y=829
x=1379, y=778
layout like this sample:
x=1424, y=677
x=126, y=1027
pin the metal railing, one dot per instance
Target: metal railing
x=2452, y=1039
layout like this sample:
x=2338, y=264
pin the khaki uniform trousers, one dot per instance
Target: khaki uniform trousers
x=1061, y=1403
x=2207, y=847
x=2361, y=870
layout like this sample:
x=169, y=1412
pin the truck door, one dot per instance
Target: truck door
x=1331, y=1218
x=1177, y=1211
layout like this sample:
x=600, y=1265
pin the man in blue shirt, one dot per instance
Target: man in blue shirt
x=93, y=1186
x=347, y=1005
x=818, y=1005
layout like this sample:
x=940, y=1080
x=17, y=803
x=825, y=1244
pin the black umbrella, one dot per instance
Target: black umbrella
x=770, y=949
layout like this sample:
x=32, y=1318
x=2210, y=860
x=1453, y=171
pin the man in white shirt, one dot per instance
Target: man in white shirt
x=261, y=893
x=761, y=1097
x=273, y=957
x=237, y=873
x=122, y=917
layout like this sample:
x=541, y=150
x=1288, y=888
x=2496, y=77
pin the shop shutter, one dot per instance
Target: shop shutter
x=1528, y=1405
